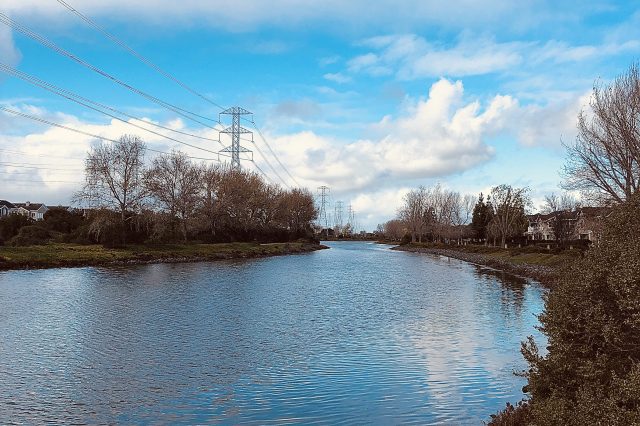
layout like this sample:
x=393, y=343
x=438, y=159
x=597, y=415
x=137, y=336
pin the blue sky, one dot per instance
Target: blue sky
x=370, y=99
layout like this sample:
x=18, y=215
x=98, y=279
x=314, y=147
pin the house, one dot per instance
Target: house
x=590, y=222
x=6, y=208
x=35, y=211
x=584, y=223
x=540, y=227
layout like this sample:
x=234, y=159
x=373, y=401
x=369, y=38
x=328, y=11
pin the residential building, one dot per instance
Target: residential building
x=35, y=211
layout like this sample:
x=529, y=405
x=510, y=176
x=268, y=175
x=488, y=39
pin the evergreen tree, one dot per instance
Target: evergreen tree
x=482, y=215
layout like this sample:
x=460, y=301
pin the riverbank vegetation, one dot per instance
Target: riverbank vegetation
x=590, y=372
x=55, y=255
x=172, y=200
x=534, y=262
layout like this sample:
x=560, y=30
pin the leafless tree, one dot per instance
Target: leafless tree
x=564, y=217
x=604, y=160
x=461, y=212
x=554, y=203
x=394, y=230
x=414, y=212
x=174, y=183
x=113, y=178
x=509, y=205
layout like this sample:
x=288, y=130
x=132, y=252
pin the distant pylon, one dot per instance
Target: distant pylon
x=338, y=215
x=352, y=218
x=324, y=199
x=235, y=131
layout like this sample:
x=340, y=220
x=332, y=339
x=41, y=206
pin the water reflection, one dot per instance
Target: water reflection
x=356, y=334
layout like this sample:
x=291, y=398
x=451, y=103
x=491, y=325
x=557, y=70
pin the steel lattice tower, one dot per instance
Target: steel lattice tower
x=338, y=215
x=324, y=199
x=352, y=218
x=235, y=131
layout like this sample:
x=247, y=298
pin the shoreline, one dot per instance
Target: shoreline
x=54, y=256
x=545, y=275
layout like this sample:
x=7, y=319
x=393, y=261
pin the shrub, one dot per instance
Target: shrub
x=31, y=235
x=11, y=225
x=591, y=373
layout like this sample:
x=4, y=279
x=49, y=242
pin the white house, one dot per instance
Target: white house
x=6, y=208
x=35, y=211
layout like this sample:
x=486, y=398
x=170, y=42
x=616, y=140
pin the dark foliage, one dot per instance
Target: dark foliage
x=62, y=220
x=11, y=225
x=31, y=235
x=591, y=373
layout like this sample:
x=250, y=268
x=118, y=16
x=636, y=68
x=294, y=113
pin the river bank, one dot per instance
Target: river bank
x=540, y=266
x=73, y=255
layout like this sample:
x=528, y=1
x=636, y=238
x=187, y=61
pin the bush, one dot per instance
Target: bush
x=591, y=373
x=520, y=414
x=62, y=220
x=11, y=225
x=31, y=235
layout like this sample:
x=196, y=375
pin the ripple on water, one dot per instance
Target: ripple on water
x=356, y=334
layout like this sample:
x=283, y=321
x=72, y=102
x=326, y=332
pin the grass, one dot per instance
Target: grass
x=61, y=255
x=518, y=256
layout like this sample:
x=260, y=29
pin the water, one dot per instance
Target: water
x=356, y=334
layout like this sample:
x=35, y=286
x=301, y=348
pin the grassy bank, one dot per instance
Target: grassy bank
x=529, y=262
x=71, y=255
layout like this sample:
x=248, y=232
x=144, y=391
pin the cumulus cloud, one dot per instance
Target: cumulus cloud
x=549, y=124
x=435, y=137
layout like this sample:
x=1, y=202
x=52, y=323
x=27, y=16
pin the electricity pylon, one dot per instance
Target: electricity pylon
x=338, y=215
x=324, y=199
x=235, y=131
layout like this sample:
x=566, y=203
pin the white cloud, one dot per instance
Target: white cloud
x=337, y=78
x=437, y=136
x=9, y=54
x=247, y=14
x=410, y=57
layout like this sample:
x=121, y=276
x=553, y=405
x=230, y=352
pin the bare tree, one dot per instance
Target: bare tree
x=604, y=161
x=508, y=204
x=554, y=203
x=564, y=217
x=113, y=178
x=413, y=212
x=174, y=183
x=461, y=212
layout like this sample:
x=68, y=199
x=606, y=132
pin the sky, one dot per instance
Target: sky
x=371, y=99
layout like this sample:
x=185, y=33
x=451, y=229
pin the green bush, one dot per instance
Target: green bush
x=31, y=235
x=11, y=225
x=591, y=373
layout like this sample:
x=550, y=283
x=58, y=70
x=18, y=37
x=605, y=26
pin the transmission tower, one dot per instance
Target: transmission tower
x=352, y=218
x=324, y=199
x=235, y=131
x=338, y=215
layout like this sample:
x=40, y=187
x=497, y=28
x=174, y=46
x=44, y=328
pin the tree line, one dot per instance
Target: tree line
x=440, y=215
x=176, y=199
x=169, y=199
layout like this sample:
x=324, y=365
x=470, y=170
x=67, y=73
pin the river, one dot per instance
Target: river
x=357, y=334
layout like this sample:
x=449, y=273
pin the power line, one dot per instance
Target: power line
x=25, y=154
x=166, y=74
x=82, y=132
x=32, y=80
x=273, y=153
x=136, y=54
x=51, y=45
x=58, y=90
